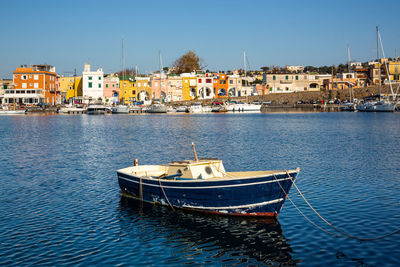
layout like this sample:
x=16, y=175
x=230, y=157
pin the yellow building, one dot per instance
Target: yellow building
x=128, y=91
x=189, y=88
x=394, y=70
x=70, y=87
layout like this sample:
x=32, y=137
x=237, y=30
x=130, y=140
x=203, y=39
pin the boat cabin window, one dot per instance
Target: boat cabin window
x=208, y=170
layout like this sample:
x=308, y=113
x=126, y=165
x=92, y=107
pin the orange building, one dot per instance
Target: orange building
x=33, y=85
x=220, y=85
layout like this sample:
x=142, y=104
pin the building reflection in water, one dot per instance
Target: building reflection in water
x=228, y=240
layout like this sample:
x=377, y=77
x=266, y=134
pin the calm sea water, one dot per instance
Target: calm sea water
x=60, y=201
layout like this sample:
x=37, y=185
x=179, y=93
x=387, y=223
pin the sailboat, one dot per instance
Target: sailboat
x=383, y=105
x=121, y=108
x=242, y=107
x=158, y=107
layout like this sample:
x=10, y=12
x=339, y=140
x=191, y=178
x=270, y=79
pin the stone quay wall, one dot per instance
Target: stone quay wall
x=306, y=97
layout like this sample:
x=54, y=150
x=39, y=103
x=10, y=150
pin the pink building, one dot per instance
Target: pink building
x=159, y=86
x=111, y=89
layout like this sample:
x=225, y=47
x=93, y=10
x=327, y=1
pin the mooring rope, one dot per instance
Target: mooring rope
x=165, y=195
x=330, y=224
x=313, y=223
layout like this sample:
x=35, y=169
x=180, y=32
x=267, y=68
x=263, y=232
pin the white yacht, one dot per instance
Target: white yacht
x=120, y=109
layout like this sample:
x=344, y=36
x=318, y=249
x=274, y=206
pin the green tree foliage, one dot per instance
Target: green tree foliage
x=187, y=63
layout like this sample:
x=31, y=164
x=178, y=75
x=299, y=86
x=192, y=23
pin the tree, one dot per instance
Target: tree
x=187, y=63
x=265, y=69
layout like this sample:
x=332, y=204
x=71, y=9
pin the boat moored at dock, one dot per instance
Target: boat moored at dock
x=97, y=110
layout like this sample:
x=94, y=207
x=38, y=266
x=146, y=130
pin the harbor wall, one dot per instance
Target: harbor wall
x=306, y=97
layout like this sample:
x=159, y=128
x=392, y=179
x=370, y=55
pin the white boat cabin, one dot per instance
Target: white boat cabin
x=187, y=169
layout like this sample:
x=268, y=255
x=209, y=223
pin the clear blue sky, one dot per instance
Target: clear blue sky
x=69, y=33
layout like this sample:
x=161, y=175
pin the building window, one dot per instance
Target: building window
x=106, y=85
x=297, y=77
x=24, y=77
x=99, y=78
x=90, y=78
x=287, y=77
x=90, y=85
x=24, y=85
x=199, y=80
x=208, y=80
x=231, y=81
x=99, y=85
x=274, y=78
x=36, y=85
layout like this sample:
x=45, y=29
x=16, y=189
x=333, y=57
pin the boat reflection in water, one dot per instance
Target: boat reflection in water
x=218, y=239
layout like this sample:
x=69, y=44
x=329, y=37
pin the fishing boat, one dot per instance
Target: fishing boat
x=204, y=185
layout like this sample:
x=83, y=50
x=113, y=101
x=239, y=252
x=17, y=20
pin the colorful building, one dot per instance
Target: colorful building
x=159, y=86
x=128, y=91
x=189, y=87
x=174, y=88
x=220, y=85
x=234, y=85
x=342, y=81
x=71, y=88
x=205, y=88
x=143, y=89
x=33, y=85
x=111, y=89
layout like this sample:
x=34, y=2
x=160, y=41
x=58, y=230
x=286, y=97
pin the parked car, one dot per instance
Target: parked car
x=331, y=101
x=266, y=102
x=300, y=102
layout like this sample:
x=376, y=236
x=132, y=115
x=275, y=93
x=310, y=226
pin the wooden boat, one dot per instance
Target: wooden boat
x=204, y=185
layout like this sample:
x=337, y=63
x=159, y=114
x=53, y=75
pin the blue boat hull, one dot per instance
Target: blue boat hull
x=261, y=196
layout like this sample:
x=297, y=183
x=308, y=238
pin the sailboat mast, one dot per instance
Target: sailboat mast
x=348, y=69
x=73, y=98
x=379, y=61
x=160, y=63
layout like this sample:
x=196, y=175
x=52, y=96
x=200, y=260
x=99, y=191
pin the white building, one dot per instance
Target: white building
x=92, y=85
x=205, y=86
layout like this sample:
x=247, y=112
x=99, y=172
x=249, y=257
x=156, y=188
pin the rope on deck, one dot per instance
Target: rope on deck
x=328, y=223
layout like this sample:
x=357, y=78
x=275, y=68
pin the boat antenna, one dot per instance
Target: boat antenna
x=194, y=152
